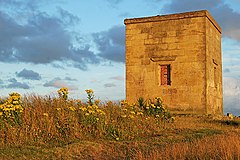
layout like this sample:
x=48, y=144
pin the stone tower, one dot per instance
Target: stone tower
x=176, y=57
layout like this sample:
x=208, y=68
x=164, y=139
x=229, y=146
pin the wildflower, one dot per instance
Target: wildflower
x=157, y=116
x=139, y=113
x=12, y=106
x=58, y=109
x=124, y=109
x=131, y=116
x=124, y=102
x=90, y=96
x=117, y=139
x=83, y=108
x=158, y=98
x=79, y=101
x=86, y=114
x=1, y=113
x=63, y=92
x=123, y=116
x=89, y=91
x=97, y=102
x=94, y=106
x=97, y=119
x=45, y=114
x=91, y=111
x=72, y=108
x=153, y=106
x=132, y=112
x=147, y=107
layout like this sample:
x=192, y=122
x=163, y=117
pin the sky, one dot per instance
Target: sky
x=46, y=45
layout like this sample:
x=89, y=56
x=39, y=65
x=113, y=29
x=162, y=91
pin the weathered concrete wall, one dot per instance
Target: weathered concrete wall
x=183, y=41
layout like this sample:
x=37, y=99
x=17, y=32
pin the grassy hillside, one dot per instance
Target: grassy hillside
x=34, y=127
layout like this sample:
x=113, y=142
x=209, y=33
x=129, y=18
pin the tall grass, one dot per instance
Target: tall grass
x=213, y=147
x=58, y=121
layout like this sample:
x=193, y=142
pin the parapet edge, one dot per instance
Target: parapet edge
x=201, y=13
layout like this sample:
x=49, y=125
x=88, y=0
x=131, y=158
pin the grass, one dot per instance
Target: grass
x=59, y=128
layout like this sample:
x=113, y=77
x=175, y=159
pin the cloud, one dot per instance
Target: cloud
x=222, y=13
x=59, y=83
x=111, y=43
x=114, y=1
x=67, y=17
x=226, y=70
x=70, y=79
x=109, y=85
x=29, y=74
x=42, y=38
x=119, y=78
x=15, y=84
x=231, y=94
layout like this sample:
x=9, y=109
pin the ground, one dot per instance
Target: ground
x=189, y=137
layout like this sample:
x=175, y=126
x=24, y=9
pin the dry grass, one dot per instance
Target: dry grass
x=56, y=128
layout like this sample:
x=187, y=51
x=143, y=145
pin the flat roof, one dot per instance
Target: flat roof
x=202, y=13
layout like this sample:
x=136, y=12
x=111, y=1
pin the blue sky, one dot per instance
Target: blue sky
x=45, y=45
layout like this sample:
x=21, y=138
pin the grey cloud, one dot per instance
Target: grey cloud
x=222, y=13
x=189, y=5
x=228, y=20
x=67, y=17
x=42, y=39
x=29, y=74
x=226, y=70
x=15, y=84
x=109, y=85
x=111, y=43
x=52, y=83
x=70, y=79
x=59, y=83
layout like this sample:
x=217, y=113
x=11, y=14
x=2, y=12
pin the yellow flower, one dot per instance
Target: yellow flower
x=139, y=113
x=153, y=106
x=147, y=107
x=131, y=116
x=94, y=106
x=79, y=101
x=124, y=102
x=86, y=114
x=124, y=109
x=89, y=91
x=58, y=109
x=45, y=114
x=132, y=112
x=97, y=119
x=123, y=116
x=83, y=108
x=97, y=102
x=117, y=139
x=72, y=108
x=1, y=113
x=91, y=111
x=157, y=116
